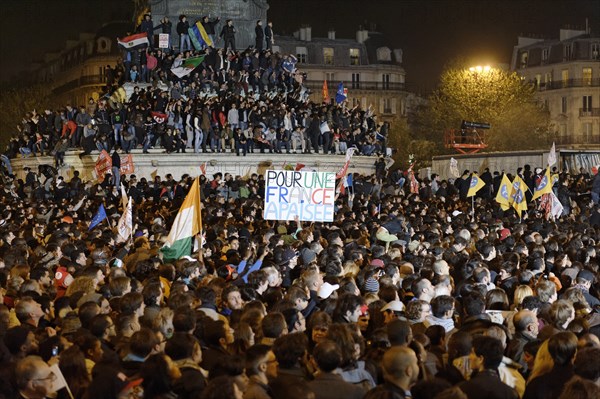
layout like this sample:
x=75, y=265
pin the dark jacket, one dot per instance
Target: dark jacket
x=487, y=385
x=549, y=385
x=515, y=349
x=395, y=392
x=228, y=32
x=182, y=27
x=332, y=386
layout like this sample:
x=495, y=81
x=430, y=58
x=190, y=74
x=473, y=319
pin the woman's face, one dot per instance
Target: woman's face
x=319, y=333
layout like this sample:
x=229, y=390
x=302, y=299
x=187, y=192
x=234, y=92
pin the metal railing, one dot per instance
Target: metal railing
x=332, y=87
x=568, y=83
x=589, y=111
x=578, y=139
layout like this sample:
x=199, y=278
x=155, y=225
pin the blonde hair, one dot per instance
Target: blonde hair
x=83, y=284
x=164, y=322
x=521, y=292
x=543, y=362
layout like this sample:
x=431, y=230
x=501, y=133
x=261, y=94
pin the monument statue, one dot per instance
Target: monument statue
x=244, y=14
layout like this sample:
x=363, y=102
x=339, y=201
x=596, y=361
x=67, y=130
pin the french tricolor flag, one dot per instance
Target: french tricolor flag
x=134, y=42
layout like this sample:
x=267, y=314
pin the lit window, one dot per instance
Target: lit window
x=586, y=74
x=327, y=56
x=354, y=56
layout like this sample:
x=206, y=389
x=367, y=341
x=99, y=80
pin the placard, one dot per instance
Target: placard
x=309, y=196
x=163, y=40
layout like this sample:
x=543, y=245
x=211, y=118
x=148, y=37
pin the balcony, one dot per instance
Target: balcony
x=569, y=83
x=579, y=140
x=80, y=82
x=391, y=86
x=589, y=112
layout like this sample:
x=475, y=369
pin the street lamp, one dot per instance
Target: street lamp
x=480, y=68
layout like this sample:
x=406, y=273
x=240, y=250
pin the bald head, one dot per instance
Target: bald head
x=526, y=321
x=399, y=364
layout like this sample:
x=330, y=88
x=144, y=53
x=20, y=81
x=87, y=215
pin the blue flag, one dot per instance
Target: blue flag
x=98, y=217
x=342, y=93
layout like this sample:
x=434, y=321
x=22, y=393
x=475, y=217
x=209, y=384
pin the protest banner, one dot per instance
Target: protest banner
x=127, y=166
x=310, y=196
x=103, y=165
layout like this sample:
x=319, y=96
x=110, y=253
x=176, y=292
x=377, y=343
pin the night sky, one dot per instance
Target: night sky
x=431, y=33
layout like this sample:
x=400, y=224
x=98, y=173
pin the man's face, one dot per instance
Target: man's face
x=105, y=307
x=234, y=301
x=81, y=259
x=354, y=315
x=45, y=280
x=36, y=311
x=31, y=344
x=425, y=311
x=41, y=384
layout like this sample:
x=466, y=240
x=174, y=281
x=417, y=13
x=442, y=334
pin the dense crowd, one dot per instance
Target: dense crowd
x=238, y=101
x=403, y=295
x=413, y=290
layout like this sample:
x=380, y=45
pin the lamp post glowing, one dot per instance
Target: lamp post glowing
x=480, y=69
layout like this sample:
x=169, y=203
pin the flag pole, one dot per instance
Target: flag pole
x=472, y=208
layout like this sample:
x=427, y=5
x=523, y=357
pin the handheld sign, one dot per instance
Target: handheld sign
x=308, y=195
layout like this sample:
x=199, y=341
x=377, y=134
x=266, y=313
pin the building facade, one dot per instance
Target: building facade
x=566, y=74
x=369, y=69
x=78, y=72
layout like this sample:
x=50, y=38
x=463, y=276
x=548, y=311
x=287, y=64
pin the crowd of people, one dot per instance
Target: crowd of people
x=412, y=292
x=403, y=295
x=238, y=101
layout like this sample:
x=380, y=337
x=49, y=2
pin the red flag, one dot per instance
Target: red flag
x=158, y=117
x=103, y=165
x=299, y=166
x=127, y=166
x=325, y=92
x=203, y=168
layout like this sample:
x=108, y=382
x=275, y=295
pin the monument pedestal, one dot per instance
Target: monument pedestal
x=244, y=14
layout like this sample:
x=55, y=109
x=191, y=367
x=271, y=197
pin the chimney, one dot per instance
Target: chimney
x=398, y=55
x=303, y=33
x=331, y=34
x=569, y=33
x=308, y=33
x=362, y=35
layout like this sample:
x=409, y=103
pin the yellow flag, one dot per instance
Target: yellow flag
x=476, y=185
x=517, y=197
x=503, y=196
x=545, y=185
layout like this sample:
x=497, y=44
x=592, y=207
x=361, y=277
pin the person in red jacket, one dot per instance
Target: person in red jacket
x=69, y=127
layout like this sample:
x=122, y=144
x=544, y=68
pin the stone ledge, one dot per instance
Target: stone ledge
x=179, y=164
